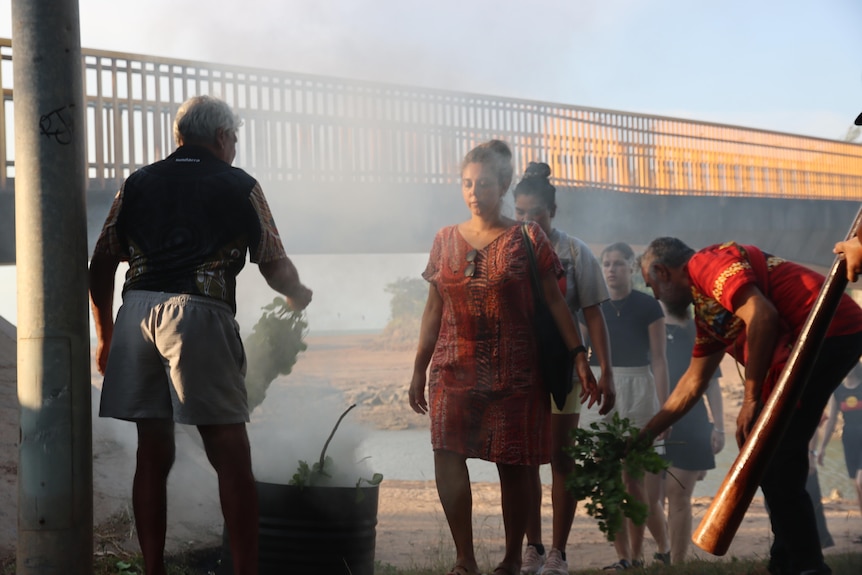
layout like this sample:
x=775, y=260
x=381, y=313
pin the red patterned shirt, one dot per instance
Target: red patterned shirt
x=718, y=272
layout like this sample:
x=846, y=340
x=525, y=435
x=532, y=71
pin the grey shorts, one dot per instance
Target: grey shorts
x=175, y=356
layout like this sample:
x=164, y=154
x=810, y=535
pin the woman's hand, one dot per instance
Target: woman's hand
x=589, y=388
x=717, y=441
x=416, y=393
x=103, y=349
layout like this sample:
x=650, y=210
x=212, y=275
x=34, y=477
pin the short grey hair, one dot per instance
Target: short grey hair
x=670, y=252
x=200, y=118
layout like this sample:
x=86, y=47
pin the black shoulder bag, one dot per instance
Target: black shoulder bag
x=555, y=359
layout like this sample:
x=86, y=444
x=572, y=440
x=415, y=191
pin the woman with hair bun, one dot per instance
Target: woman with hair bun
x=485, y=395
x=535, y=200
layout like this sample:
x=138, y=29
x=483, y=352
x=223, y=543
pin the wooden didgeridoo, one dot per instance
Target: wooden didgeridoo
x=725, y=513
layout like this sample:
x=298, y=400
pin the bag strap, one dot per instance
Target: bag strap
x=538, y=296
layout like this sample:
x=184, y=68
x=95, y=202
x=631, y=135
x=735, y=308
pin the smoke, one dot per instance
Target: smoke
x=292, y=425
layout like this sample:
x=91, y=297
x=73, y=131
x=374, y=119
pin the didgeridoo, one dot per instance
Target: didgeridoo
x=725, y=513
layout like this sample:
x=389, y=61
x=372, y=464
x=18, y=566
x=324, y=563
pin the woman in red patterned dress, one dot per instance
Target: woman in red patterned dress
x=485, y=396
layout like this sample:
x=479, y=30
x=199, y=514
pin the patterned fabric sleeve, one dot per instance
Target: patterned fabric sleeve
x=717, y=274
x=590, y=283
x=546, y=257
x=109, y=241
x=269, y=247
x=432, y=270
x=724, y=271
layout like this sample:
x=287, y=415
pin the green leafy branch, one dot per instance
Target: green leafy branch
x=273, y=347
x=601, y=454
x=307, y=475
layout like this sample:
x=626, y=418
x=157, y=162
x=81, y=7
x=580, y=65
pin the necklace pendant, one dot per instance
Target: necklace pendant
x=670, y=337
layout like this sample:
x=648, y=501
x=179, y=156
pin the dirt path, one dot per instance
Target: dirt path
x=411, y=529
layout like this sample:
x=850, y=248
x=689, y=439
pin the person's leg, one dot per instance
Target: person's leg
x=514, y=483
x=656, y=520
x=535, y=553
x=790, y=509
x=637, y=489
x=228, y=451
x=562, y=465
x=858, y=484
x=812, y=486
x=155, y=457
x=680, y=486
x=453, y=488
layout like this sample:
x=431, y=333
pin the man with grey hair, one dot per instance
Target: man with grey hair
x=753, y=305
x=174, y=354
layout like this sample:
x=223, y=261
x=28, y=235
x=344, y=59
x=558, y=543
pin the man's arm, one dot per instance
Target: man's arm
x=281, y=275
x=103, y=268
x=761, y=329
x=686, y=394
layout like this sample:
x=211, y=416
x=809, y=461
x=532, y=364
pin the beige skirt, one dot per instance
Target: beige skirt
x=636, y=398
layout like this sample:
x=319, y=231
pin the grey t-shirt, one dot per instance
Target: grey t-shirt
x=585, y=285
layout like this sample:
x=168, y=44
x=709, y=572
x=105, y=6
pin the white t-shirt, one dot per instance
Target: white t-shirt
x=585, y=284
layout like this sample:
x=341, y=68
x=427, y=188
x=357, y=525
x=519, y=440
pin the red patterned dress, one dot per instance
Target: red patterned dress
x=486, y=398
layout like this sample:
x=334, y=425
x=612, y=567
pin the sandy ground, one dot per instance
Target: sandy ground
x=411, y=530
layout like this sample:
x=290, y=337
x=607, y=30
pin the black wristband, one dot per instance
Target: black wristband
x=576, y=350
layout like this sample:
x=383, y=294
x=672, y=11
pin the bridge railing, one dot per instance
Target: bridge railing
x=300, y=127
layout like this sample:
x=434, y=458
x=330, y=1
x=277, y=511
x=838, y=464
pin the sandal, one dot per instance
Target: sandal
x=503, y=569
x=461, y=570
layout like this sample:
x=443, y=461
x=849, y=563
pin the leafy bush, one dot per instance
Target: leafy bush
x=406, y=307
x=272, y=348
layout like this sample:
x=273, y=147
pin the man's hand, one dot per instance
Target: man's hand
x=745, y=421
x=851, y=250
x=299, y=298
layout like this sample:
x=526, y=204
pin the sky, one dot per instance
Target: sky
x=791, y=65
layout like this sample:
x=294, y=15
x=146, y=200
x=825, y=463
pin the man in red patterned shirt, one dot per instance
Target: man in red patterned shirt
x=753, y=305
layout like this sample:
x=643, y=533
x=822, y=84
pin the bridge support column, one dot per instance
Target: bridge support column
x=55, y=475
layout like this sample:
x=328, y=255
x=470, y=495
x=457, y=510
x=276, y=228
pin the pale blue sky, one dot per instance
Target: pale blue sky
x=791, y=65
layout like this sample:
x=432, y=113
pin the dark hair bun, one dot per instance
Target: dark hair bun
x=538, y=170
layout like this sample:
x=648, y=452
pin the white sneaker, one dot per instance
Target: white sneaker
x=555, y=564
x=532, y=562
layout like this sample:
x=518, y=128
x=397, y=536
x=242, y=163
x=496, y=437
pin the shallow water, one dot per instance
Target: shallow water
x=406, y=455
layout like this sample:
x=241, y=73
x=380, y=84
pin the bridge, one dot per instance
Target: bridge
x=361, y=167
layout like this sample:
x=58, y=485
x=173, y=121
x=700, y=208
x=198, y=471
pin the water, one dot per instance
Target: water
x=406, y=455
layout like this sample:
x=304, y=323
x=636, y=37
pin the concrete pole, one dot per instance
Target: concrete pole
x=55, y=474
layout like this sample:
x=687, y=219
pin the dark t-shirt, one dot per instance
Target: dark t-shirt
x=185, y=224
x=850, y=406
x=628, y=322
